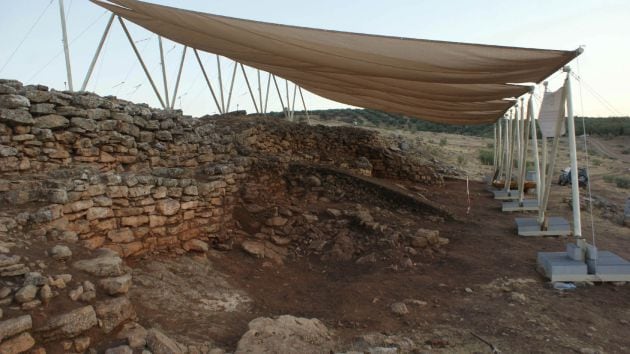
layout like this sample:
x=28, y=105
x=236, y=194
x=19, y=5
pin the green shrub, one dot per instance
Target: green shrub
x=443, y=142
x=619, y=181
x=486, y=156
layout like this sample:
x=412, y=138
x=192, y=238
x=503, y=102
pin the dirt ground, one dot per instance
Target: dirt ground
x=484, y=286
x=481, y=293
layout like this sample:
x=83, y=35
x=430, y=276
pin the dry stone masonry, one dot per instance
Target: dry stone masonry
x=87, y=181
x=110, y=173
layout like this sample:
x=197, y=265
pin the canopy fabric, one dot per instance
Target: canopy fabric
x=444, y=82
x=551, y=110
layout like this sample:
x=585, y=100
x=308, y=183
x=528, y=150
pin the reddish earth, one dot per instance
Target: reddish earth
x=483, y=287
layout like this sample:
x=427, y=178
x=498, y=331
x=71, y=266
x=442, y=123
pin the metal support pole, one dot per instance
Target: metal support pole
x=179, y=76
x=575, y=187
x=308, y=118
x=168, y=105
x=227, y=107
x=535, y=149
x=267, y=93
x=293, y=105
x=98, y=52
x=506, y=144
x=495, y=151
x=260, y=93
x=279, y=95
x=286, y=83
x=144, y=67
x=513, y=137
x=205, y=75
x=251, y=93
x=221, y=84
x=523, y=172
x=497, y=172
x=66, y=48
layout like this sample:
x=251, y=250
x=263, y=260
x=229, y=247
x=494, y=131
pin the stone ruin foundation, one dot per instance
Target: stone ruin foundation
x=122, y=180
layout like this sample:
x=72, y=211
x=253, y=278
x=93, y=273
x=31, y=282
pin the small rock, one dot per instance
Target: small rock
x=159, y=343
x=277, y=221
x=114, y=312
x=17, y=344
x=468, y=290
x=45, y=293
x=76, y=293
x=399, y=308
x=123, y=349
x=15, y=326
x=196, y=245
x=34, y=278
x=61, y=253
x=31, y=305
x=81, y=344
x=26, y=294
x=116, y=285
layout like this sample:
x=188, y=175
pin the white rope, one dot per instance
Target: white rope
x=26, y=36
x=604, y=102
x=133, y=64
x=61, y=50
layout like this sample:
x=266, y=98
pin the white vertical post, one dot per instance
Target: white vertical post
x=260, y=100
x=249, y=87
x=286, y=83
x=534, y=133
x=267, y=93
x=308, y=118
x=275, y=82
x=179, y=76
x=575, y=187
x=66, y=48
x=98, y=52
x=513, y=137
x=144, y=67
x=168, y=105
x=293, y=105
x=221, y=84
x=205, y=75
x=526, y=129
x=227, y=107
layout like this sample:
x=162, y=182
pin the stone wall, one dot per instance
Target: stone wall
x=107, y=172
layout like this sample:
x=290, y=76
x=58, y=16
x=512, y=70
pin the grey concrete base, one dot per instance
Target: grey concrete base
x=609, y=267
x=558, y=226
x=506, y=195
x=527, y=205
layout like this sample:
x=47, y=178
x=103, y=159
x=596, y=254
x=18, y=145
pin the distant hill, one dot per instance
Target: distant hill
x=613, y=126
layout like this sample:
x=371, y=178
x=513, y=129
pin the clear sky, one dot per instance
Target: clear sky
x=602, y=26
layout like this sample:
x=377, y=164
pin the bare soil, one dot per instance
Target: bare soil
x=485, y=285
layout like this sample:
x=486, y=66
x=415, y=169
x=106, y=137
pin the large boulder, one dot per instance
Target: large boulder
x=14, y=101
x=285, y=334
x=114, y=312
x=159, y=343
x=106, y=265
x=51, y=121
x=16, y=117
x=15, y=326
x=18, y=344
x=69, y=325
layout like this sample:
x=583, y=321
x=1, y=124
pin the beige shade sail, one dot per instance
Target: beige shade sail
x=444, y=82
